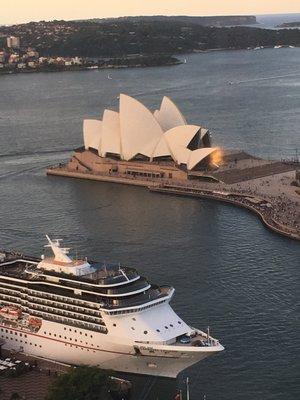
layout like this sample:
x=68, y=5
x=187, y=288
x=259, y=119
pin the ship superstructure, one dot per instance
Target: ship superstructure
x=79, y=311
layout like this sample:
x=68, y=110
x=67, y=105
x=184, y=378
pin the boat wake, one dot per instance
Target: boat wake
x=263, y=79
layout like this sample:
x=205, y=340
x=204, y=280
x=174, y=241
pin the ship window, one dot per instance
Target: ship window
x=145, y=332
x=179, y=322
x=132, y=328
x=114, y=325
x=171, y=325
x=133, y=319
x=80, y=333
x=166, y=327
x=157, y=330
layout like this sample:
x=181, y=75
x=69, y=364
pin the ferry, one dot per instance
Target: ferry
x=82, y=312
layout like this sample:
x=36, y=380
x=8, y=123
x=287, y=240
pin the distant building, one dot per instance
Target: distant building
x=31, y=64
x=32, y=53
x=13, y=42
x=13, y=58
x=77, y=61
x=2, y=56
x=42, y=60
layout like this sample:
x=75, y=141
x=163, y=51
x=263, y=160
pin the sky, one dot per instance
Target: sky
x=18, y=11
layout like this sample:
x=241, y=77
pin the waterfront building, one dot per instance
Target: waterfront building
x=135, y=142
x=13, y=42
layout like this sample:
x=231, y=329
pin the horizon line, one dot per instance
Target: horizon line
x=149, y=15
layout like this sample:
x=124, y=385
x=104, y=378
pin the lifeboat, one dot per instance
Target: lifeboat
x=10, y=312
x=34, y=322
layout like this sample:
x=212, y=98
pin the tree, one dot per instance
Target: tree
x=81, y=383
x=15, y=396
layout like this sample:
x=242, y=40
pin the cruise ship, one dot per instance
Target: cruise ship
x=79, y=311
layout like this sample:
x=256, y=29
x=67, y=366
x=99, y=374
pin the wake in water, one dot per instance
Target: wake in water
x=264, y=79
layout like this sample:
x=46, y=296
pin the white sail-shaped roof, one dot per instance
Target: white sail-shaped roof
x=162, y=149
x=135, y=130
x=92, y=129
x=169, y=115
x=181, y=135
x=198, y=155
x=203, y=132
x=138, y=128
x=110, y=139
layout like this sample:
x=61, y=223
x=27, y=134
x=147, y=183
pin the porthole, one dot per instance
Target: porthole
x=132, y=328
x=157, y=330
x=166, y=327
x=171, y=325
x=133, y=319
x=179, y=322
x=145, y=332
x=114, y=324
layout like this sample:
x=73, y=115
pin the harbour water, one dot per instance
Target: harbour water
x=230, y=273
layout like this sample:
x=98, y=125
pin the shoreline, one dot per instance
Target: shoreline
x=245, y=200
x=32, y=71
x=126, y=66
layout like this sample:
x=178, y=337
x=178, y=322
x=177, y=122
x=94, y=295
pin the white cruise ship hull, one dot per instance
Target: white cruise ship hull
x=62, y=343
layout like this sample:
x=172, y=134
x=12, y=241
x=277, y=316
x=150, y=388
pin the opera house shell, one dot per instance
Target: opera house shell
x=135, y=133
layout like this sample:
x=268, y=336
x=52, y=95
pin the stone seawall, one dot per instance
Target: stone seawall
x=268, y=222
x=183, y=189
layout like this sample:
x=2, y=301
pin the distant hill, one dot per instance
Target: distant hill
x=145, y=35
x=289, y=25
x=234, y=20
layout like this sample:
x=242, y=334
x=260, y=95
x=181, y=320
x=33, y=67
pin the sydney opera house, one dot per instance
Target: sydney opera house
x=138, y=143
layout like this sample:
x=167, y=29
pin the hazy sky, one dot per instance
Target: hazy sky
x=16, y=11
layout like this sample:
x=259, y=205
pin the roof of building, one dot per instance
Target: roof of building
x=136, y=131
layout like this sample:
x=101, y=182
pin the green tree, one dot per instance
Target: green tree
x=15, y=396
x=81, y=383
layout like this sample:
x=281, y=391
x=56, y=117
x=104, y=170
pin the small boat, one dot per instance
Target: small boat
x=109, y=77
x=278, y=46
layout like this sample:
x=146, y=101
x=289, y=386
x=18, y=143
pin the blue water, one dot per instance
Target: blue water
x=230, y=273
